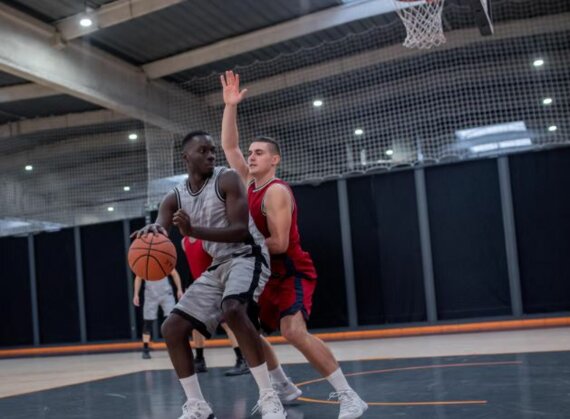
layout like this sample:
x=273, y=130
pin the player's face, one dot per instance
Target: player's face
x=200, y=155
x=261, y=160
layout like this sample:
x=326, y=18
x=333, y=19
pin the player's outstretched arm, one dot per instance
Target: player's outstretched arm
x=162, y=225
x=230, y=133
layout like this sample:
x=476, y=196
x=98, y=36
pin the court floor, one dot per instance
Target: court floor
x=514, y=374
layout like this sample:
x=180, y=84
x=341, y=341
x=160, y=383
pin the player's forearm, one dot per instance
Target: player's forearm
x=231, y=234
x=276, y=246
x=230, y=133
x=177, y=282
x=137, y=287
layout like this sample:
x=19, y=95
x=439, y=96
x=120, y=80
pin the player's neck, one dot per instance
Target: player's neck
x=264, y=179
x=196, y=181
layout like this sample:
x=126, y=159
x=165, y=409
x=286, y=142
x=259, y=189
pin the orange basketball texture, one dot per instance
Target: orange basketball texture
x=152, y=257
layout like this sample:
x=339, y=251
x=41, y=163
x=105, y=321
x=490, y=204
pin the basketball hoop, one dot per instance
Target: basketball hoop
x=423, y=22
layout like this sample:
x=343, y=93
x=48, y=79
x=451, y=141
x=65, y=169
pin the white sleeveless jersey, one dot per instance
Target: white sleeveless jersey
x=207, y=208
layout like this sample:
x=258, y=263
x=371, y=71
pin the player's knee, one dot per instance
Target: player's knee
x=233, y=310
x=147, y=327
x=175, y=327
x=293, y=334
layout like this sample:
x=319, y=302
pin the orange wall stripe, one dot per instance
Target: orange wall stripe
x=331, y=336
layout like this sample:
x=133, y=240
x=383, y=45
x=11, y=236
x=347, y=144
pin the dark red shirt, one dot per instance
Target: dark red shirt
x=196, y=256
x=295, y=261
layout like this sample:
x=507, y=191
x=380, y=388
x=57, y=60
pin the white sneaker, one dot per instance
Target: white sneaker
x=196, y=409
x=287, y=391
x=351, y=405
x=269, y=406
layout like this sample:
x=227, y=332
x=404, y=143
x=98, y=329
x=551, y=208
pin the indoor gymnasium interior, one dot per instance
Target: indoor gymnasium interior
x=421, y=147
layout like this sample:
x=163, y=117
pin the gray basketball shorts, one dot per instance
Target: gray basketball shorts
x=152, y=301
x=241, y=277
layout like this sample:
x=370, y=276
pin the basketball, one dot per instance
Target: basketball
x=152, y=257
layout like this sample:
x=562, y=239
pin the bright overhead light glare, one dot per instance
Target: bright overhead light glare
x=126, y=188
x=29, y=168
x=133, y=136
x=389, y=152
x=317, y=103
x=552, y=128
x=86, y=22
x=110, y=209
x=538, y=62
x=358, y=131
x=547, y=101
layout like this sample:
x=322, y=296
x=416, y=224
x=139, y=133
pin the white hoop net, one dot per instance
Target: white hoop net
x=423, y=22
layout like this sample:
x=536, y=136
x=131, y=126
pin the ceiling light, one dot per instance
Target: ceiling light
x=389, y=152
x=538, y=62
x=126, y=188
x=110, y=209
x=29, y=168
x=547, y=101
x=317, y=103
x=358, y=131
x=552, y=128
x=133, y=136
x=86, y=22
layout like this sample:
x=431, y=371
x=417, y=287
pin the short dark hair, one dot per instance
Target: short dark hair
x=274, y=144
x=194, y=134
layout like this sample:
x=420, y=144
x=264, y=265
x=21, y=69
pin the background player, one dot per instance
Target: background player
x=156, y=293
x=287, y=299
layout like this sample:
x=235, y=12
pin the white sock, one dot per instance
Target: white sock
x=278, y=375
x=261, y=376
x=338, y=381
x=192, y=387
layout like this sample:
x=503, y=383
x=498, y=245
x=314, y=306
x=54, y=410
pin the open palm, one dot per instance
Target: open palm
x=230, y=85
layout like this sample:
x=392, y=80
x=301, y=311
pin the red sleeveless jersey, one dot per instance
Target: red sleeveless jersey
x=196, y=256
x=295, y=261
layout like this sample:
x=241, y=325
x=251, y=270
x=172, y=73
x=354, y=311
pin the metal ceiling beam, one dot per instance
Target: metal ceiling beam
x=27, y=51
x=25, y=92
x=109, y=15
x=455, y=39
x=74, y=120
x=304, y=25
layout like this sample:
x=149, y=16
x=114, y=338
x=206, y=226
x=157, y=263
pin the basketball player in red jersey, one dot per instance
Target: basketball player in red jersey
x=286, y=301
x=198, y=261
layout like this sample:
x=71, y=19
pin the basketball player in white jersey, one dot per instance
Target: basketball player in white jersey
x=211, y=205
x=156, y=293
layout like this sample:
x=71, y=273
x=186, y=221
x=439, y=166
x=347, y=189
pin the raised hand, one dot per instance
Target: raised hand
x=230, y=85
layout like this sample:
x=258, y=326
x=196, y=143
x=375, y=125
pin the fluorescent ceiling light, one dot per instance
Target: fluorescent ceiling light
x=522, y=142
x=482, y=148
x=473, y=133
x=86, y=22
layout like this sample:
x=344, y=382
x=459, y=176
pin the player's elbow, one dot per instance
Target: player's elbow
x=242, y=233
x=280, y=246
